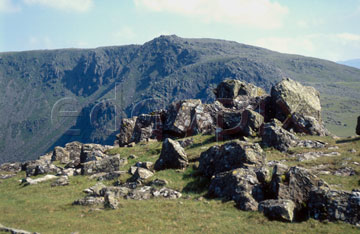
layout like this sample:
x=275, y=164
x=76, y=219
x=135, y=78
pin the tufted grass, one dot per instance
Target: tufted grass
x=47, y=209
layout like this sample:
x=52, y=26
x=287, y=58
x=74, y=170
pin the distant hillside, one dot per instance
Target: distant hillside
x=51, y=97
x=352, y=63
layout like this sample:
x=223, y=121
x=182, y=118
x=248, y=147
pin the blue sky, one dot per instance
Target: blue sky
x=319, y=28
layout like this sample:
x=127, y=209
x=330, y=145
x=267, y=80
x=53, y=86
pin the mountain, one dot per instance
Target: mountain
x=51, y=97
x=352, y=63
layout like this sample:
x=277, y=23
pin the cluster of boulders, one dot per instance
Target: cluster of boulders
x=238, y=172
x=240, y=109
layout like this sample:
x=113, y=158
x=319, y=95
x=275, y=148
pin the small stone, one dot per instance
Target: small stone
x=132, y=156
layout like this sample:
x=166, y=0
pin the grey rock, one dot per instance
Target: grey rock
x=11, y=167
x=294, y=184
x=110, y=200
x=14, y=230
x=158, y=182
x=282, y=209
x=146, y=165
x=60, y=154
x=29, y=181
x=61, y=181
x=186, y=142
x=235, y=154
x=96, y=190
x=172, y=156
x=108, y=164
x=273, y=135
x=92, y=152
x=333, y=205
x=89, y=201
x=141, y=174
x=126, y=131
x=230, y=89
x=240, y=185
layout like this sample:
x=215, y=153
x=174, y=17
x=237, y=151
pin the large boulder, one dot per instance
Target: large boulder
x=294, y=184
x=147, y=127
x=235, y=154
x=60, y=154
x=74, y=149
x=230, y=89
x=273, y=135
x=298, y=107
x=282, y=210
x=172, y=156
x=251, y=122
x=187, y=118
x=93, y=152
x=240, y=185
x=108, y=164
x=358, y=126
x=333, y=205
x=127, y=126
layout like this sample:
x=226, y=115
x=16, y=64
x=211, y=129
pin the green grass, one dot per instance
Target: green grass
x=47, y=209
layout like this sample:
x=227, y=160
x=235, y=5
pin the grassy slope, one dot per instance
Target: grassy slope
x=48, y=209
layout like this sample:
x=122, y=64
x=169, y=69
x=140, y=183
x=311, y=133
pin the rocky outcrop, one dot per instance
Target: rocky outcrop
x=334, y=205
x=282, y=210
x=294, y=184
x=107, y=164
x=273, y=135
x=172, y=156
x=61, y=155
x=93, y=152
x=240, y=185
x=141, y=174
x=358, y=126
x=235, y=154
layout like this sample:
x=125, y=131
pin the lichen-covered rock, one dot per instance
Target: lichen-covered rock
x=307, y=124
x=110, y=200
x=39, y=167
x=29, y=181
x=146, y=165
x=60, y=154
x=96, y=190
x=240, y=185
x=282, y=210
x=294, y=184
x=291, y=97
x=230, y=89
x=333, y=205
x=127, y=126
x=235, y=154
x=187, y=118
x=273, y=135
x=11, y=167
x=141, y=174
x=298, y=107
x=61, y=181
x=251, y=122
x=89, y=201
x=172, y=156
x=358, y=126
x=108, y=164
x=92, y=152
x=74, y=149
x=147, y=127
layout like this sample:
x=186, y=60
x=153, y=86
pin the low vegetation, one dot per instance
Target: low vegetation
x=47, y=209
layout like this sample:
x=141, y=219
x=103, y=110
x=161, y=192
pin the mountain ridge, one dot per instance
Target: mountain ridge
x=114, y=81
